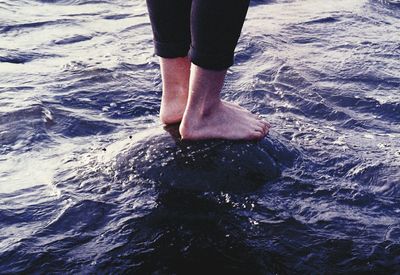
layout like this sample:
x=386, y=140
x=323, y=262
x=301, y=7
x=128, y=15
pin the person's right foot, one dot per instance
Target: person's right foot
x=173, y=106
x=175, y=78
x=223, y=121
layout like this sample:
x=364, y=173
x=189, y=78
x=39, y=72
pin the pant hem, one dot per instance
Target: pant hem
x=171, y=50
x=215, y=62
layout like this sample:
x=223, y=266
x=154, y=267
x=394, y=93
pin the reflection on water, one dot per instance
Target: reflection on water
x=89, y=182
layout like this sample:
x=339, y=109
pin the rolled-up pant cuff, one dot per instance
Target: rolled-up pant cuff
x=208, y=61
x=215, y=62
x=171, y=50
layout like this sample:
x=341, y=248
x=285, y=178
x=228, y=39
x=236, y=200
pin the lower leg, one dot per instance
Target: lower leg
x=175, y=74
x=207, y=116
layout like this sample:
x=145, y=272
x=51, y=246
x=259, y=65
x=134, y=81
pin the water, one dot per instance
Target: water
x=89, y=182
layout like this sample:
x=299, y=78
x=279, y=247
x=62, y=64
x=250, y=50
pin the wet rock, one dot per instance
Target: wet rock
x=160, y=156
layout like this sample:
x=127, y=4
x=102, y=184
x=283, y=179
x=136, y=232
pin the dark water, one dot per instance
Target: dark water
x=90, y=183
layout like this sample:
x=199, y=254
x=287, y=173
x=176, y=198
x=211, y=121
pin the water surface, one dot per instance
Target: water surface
x=80, y=87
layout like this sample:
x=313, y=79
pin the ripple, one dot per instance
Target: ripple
x=16, y=57
x=73, y=2
x=117, y=16
x=323, y=20
x=73, y=39
x=33, y=25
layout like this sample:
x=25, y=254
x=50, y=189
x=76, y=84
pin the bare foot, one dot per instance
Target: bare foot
x=173, y=106
x=175, y=73
x=223, y=121
x=267, y=124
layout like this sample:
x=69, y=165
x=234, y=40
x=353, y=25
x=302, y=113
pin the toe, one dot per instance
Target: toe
x=266, y=131
x=260, y=124
x=260, y=118
x=266, y=125
x=258, y=134
x=260, y=129
x=264, y=128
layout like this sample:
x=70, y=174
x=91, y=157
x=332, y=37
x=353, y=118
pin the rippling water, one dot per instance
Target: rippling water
x=89, y=182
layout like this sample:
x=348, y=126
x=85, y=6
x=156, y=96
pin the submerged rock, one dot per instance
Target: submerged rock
x=161, y=157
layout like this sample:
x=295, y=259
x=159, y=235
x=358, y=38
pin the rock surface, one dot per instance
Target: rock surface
x=160, y=156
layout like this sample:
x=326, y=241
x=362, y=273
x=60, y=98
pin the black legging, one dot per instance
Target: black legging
x=205, y=30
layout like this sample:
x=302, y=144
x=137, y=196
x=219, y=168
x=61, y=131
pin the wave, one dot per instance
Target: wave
x=33, y=25
x=72, y=39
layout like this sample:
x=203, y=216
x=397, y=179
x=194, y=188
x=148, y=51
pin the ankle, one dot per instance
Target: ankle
x=203, y=110
x=172, y=91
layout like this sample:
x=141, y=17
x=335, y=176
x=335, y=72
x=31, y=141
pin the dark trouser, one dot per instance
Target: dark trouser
x=206, y=30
